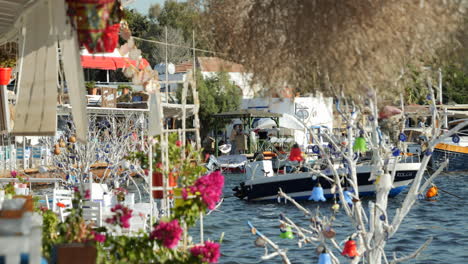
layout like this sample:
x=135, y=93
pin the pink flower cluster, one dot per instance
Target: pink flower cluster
x=98, y=237
x=13, y=173
x=209, y=252
x=167, y=232
x=210, y=188
x=121, y=217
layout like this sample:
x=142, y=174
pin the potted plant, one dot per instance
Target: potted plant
x=124, y=88
x=6, y=66
x=91, y=87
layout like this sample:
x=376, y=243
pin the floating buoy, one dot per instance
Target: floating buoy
x=325, y=258
x=72, y=139
x=360, y=144
x=432, y=192
x=350, y=249
x=286, y=232
x=333, y=189
x=62, y=143
x=317, y=194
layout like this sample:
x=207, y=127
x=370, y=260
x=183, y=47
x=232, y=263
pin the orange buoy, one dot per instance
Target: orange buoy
x=432, y=192
x=72, y=139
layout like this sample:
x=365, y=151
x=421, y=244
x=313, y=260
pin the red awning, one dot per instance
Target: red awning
x=109, y=61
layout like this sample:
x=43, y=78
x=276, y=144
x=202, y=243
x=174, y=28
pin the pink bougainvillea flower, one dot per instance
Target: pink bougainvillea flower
x=184, y=194
x=87, y=194
x=101, y=238
x=121, y=217
x=178, y=143
x=210, y=188
x=209, y=252
x=167, y=232
x=13, y=173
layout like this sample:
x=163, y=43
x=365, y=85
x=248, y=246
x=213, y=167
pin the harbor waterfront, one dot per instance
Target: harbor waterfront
x=236, y=132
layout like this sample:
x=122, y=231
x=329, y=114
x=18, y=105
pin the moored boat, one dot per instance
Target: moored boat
x=263, y=184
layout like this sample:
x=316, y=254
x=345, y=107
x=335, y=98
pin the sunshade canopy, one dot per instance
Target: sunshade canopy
x=246, y=113
x=109, y=61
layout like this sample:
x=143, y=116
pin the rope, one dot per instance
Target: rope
x=176, y=45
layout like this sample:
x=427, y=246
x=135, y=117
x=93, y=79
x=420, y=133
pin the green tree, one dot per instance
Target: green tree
x=178, y=15
x=217, y=94
x=143, y=27
x=455, y=85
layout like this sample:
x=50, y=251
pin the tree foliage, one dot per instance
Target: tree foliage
x=351, y=44
x=181, y=20
x=455, y=85
x=217, y=94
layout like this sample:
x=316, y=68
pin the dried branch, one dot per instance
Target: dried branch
x=413, y=255
x=279, y=252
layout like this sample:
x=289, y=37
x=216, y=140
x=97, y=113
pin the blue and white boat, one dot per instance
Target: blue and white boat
x=455, y=149
x=262, y=183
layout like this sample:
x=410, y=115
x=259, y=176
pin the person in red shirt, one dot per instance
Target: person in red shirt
x=296, y=153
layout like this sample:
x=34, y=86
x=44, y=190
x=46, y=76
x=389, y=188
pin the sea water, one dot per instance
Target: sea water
x=446, y=220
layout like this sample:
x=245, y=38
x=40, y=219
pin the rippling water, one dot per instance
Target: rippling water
x=446, y=220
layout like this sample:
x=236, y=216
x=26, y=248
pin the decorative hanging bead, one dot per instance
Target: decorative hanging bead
x=402, y=137
x=286, y=232
x=325, y=258
x=350, y=249
x=317, y=194
x=396, y=152
x=316, y=149
x=360, y=144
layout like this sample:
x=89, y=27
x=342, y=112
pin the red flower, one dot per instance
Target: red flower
x=13, y=173
x=61, y=205
x=167, y=232
x=178, y=143
x=209, y=252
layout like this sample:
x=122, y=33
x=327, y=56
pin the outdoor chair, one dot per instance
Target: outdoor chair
x=92, y=211
x=61, y=196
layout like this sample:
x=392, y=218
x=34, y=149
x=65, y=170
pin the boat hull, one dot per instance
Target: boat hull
x=300, y=185
x=457, y=156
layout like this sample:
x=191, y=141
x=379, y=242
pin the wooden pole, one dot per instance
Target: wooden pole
x=167, y=73
x=196, y=102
